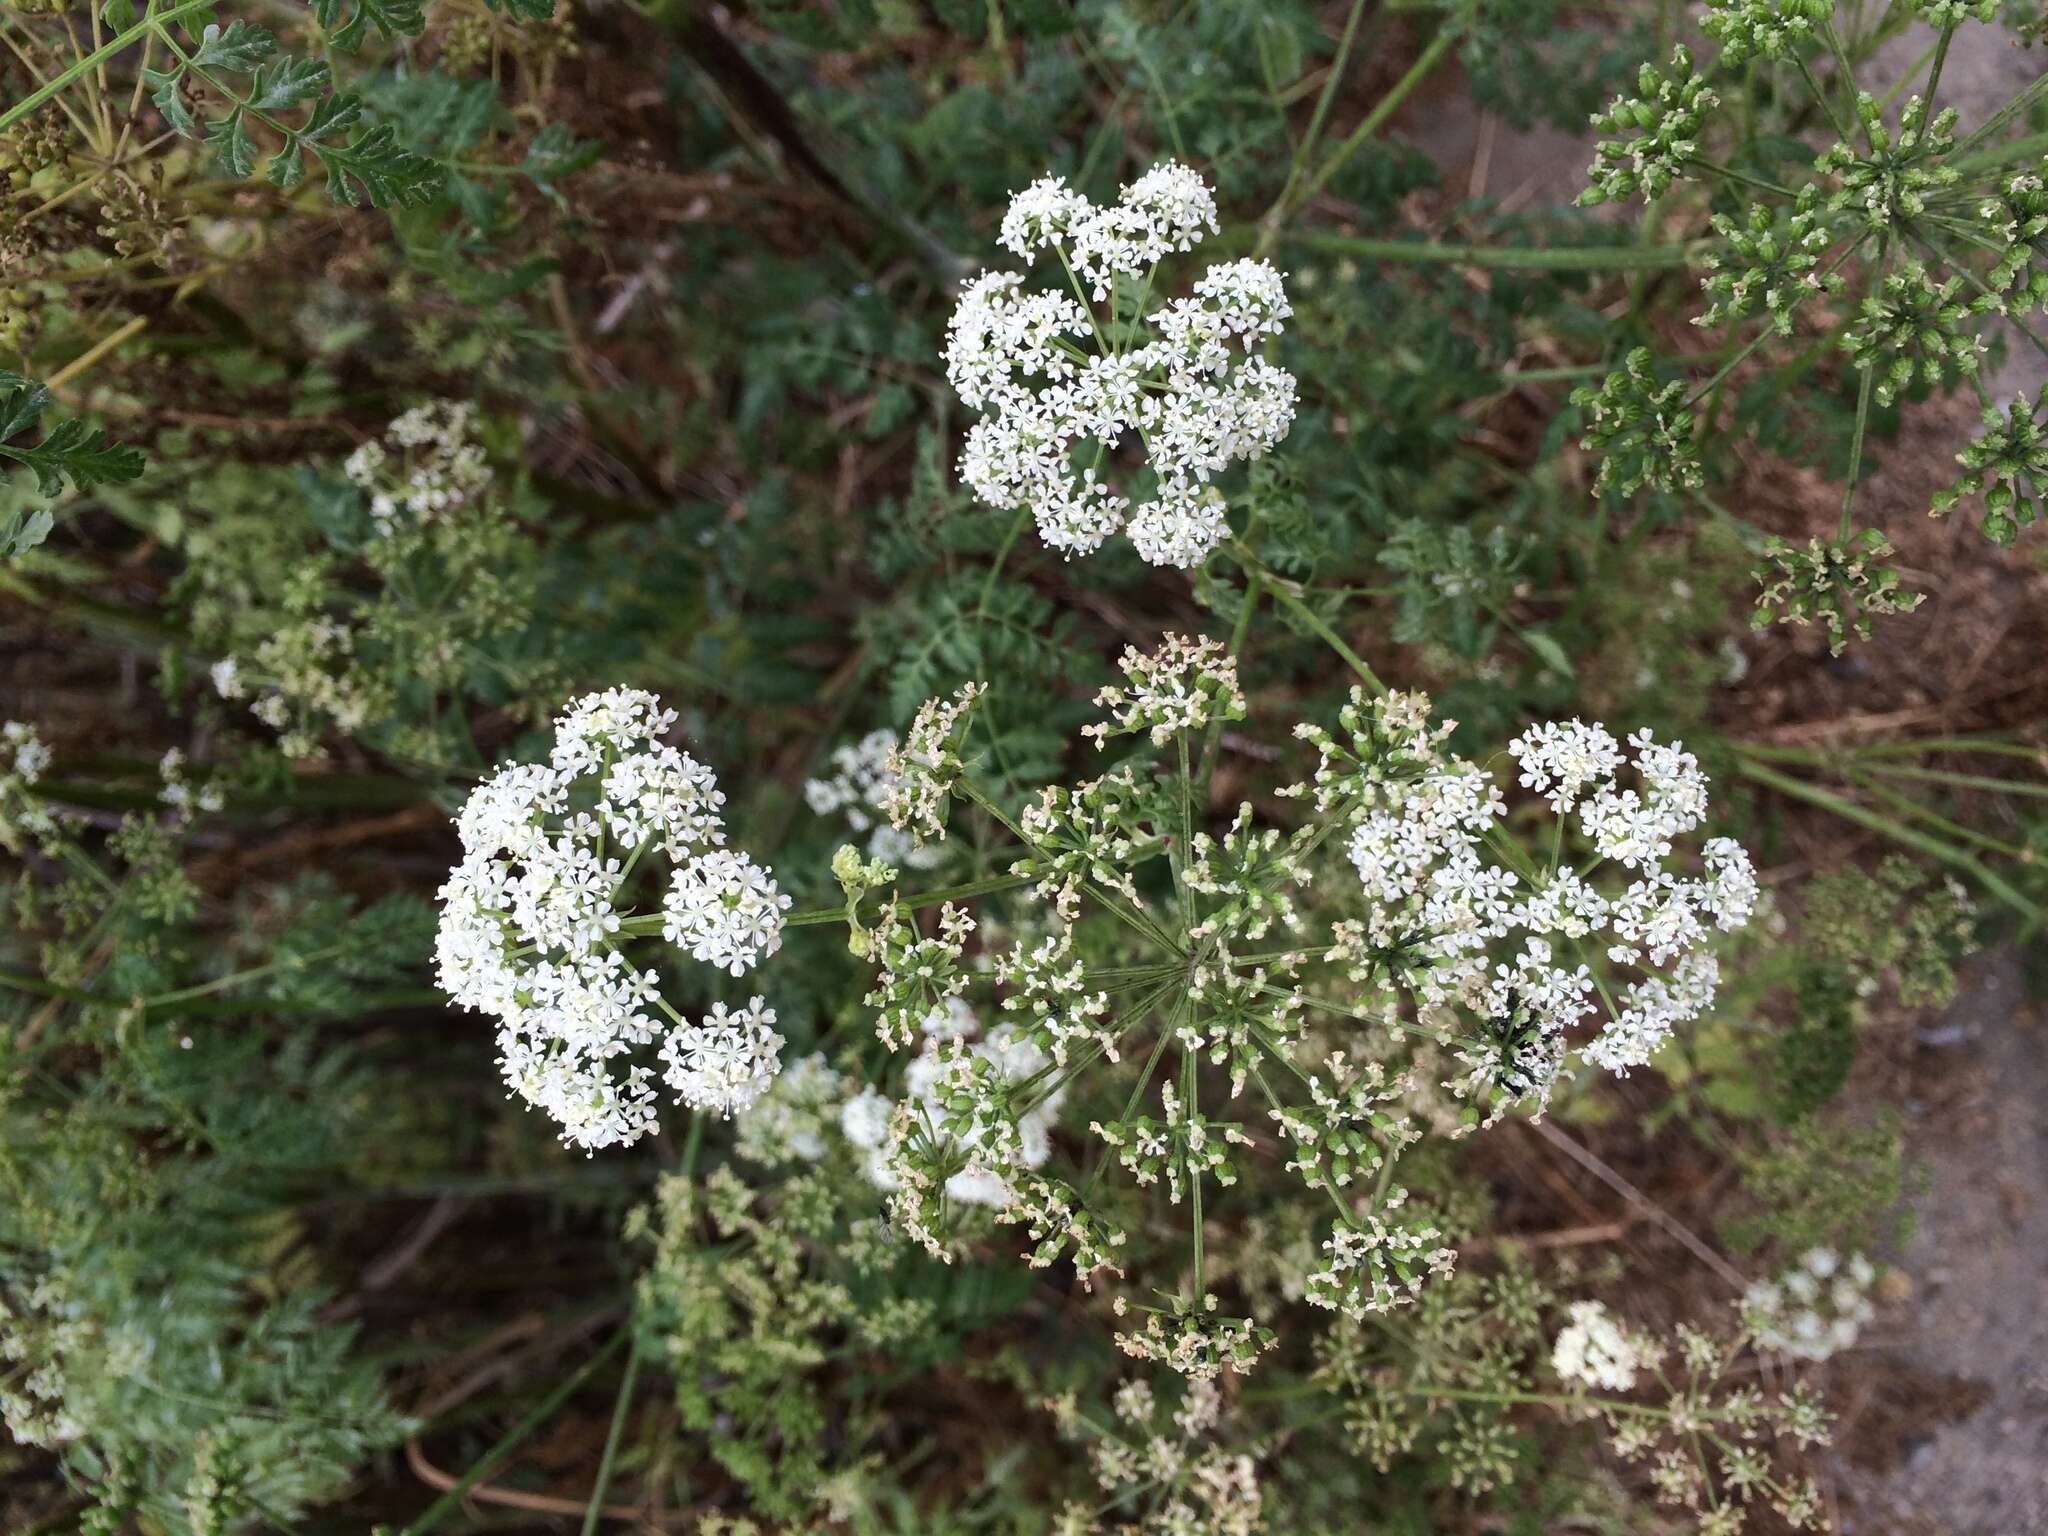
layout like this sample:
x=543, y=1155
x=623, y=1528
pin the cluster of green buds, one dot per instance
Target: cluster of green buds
x=2016, y=217
x=30, y=147
x=1640, y=428
x=1840, y=584
x=1767, y=267
x=1656, y=133
x=1185, y=1017
x=1769, y=29
x=2008, y=466
x=1953, y=13
x=1913, y=330
x=1899, y=174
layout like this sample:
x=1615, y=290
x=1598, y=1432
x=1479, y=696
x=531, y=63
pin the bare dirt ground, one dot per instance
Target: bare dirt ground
x=1950, y=1419
x=1978, y=1268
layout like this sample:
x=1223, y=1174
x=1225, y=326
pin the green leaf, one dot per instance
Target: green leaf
x=555, y=153
x=285, y=82
x=391, y=18
x=21, y=403
x=389, y=174
x=523, y=10
x=331, y=115
x=1548, y=651
x=288, y=165
x=229, y=139
x=119, y=15
x=163, y=90
x=19, y=534
x=240, y=48
x=70, y=450
x=83, y=454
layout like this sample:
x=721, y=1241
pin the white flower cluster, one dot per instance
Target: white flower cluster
x=1161, y=1468
x=180, y=793
x=1816, y=1309
x=46, y=1336
x=1378, y=1261
x=1188, y=384
x=1511, y=946
x=792, y=1122
x=921, y=772
x=430, y=465
x=953, y=1067
x=1184, y=685
x=1593, y=1350
x=858, y=789
x=23, y=757
x=310, y=682
x=532, y=931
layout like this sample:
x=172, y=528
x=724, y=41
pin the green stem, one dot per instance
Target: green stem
x=1373, y=121
x=1714, y=168
x=1322, y=108
x=1958, y=780
x=988, y=585
x=1940, y=58
x=410, y=997
x=1997, y=120
x=620, y=1410
x=1285, y=592
x=150, y=23
x=1898, y=832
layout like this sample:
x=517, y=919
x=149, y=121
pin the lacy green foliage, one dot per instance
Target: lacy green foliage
x=769, y=1308
x=1840, y=584
x=1532, y=61
x=1900, y=925
x=1814, y=1050
x=162, y=1319
x=362, y=162
x=2006, y=464
x=1826, y=1182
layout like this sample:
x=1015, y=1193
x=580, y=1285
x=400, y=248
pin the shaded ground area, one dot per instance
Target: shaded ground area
x=1978, y=1265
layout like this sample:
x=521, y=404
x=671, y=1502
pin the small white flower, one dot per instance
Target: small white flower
x=726, y=1061
x=1593, y=1351
x=724, y=909
x=1058, y=407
